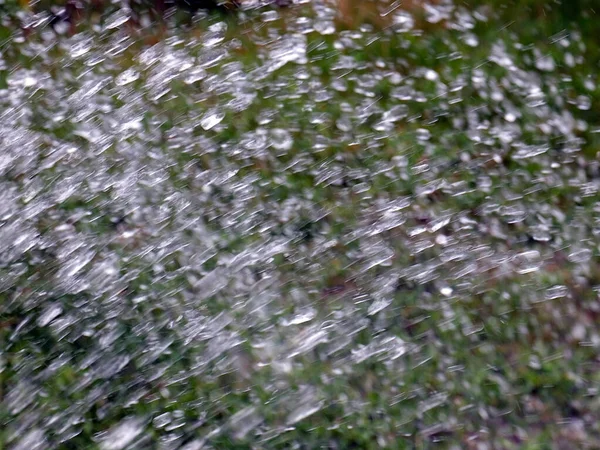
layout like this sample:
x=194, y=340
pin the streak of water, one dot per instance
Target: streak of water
x=269, y=224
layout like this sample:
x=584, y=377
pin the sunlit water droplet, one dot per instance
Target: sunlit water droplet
x=556, y=292
x=306, y=405
x=33, y=440
x=244, y=421
x=378, y=305
x=50, y=313
x=211, y=120
x=117, y=19
x=81, y=48
x=584, y=103
x=580, y=256
x=215, y=34
x=126, y=77
x=121, y=435
x=281, y=139
x=324, y=27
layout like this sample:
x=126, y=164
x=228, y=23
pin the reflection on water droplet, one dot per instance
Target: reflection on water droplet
x=431, y=75
x=211, y=119
x=281, y=139
x=423, y=134
x=556, y=292
x=324, y=27
x=162, y=420
x=513, y=214
x=194, y=75
x=81, y=48
x=29, y=81
x=33, y=440
x=244, y=421
x=302, y=316
x=378, y=305
x=116, y=19
x=126, y=77
x=269, y=16
x=527, y=262
x=49, y=314
x=121, y=435
x=215, y=34
x=289, y=49
x=580, y=256
x=471, y=40
x=545, y=63
x=584, y=103
x=395, y=113
x=530, y=151
x=446, y=291
x=541, y=233
x=306, y=405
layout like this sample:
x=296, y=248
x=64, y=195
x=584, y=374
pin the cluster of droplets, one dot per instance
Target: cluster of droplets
x=197, y=245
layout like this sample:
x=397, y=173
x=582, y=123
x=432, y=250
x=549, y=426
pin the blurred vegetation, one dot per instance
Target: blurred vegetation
x=495, y=369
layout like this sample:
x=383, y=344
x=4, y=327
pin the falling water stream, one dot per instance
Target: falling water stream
x=271, y=230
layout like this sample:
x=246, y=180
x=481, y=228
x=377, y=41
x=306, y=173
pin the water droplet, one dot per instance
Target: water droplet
x=269, y=16
x=580, y=256
x=211, y=119
x=584, y=103
x=423, y=134
x=162, y=420
x=306, y=405
x=289, y=49
x=530, y=151
x=33, y=440
x=122, y=434
x=215, y=34
x=117, y=19
x=49, y=314
x=126, y=77
x=545, y=63
x=81, y=48
x=446, y=291
x=324, y=27
x=431, y=75
x=244, y=421
x=378, y=305
x=555, y=292
x=471, y=40
x=281, y=139
x=301, y=317
x=395, y=113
